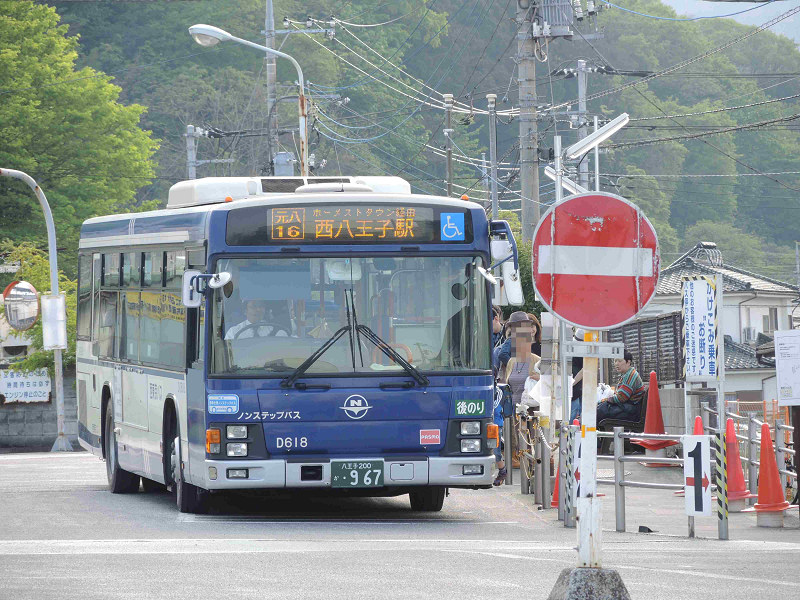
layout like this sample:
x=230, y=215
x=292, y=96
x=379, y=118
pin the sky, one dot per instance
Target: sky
x=700, y=8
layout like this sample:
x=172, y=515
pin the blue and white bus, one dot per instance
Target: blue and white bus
x=328, y=333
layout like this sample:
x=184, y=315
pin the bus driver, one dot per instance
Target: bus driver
x=255, y=323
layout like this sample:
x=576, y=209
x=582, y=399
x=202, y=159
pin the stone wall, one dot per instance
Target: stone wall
x=34, y=425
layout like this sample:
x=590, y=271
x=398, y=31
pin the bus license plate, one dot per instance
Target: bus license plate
x=356, y=473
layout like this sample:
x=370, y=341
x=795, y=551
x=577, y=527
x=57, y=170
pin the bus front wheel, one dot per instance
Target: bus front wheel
x=120, y=481
x=428, y=499
x=188, y=497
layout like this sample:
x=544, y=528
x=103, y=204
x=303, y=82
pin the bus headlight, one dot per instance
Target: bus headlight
x=470, y=428
x=237, y=449
x=236, y=432
x=469, y=445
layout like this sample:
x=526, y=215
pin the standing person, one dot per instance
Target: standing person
x=498, y=452
x=497, y=326
x=536, y=344
x=536, y=340
x=520, y=343
x=621, y=405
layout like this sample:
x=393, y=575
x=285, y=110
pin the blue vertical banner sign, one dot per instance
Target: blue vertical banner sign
x=700, y=333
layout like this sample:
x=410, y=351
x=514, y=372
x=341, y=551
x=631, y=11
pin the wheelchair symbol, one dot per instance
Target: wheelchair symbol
x=450, y=230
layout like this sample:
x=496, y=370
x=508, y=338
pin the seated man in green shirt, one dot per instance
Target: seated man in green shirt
x=620, y=406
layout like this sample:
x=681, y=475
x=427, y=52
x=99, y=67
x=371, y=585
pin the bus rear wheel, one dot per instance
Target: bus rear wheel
x=427, y=499
x=189, y=498
x=120, y=481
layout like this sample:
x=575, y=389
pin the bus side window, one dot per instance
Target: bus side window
x=97, y=271
x=176, y=265
x=153, y=269
x=84, y=314
x=107, y=326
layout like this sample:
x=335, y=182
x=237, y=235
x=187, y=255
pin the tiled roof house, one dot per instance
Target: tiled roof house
x=754, y=307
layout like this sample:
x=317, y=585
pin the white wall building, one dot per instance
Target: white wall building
x=755, y=307
x=754, y=304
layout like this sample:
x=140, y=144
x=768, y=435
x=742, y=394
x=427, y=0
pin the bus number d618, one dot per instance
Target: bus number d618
x=291, y=442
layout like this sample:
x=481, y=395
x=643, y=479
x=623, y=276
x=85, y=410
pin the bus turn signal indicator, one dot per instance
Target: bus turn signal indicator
x=213, y=439
x=493, y=435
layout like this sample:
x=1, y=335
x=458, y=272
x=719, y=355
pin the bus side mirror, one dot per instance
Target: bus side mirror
x=509, y=290
x=190, y=290
x=195, y=283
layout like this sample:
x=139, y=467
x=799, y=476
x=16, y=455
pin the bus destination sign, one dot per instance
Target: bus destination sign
x=347, y=223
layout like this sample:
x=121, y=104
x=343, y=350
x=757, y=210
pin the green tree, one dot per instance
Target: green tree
x=65, y=128
x=35, y=269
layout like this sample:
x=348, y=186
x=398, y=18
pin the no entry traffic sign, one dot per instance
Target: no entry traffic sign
x=595, y=260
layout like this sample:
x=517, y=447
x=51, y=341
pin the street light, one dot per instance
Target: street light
x=597, y=137
x=208, y=35
x=566, y=182
x=54, y=313
x=580, y=148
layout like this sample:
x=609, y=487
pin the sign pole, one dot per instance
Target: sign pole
x=722, y=458
x=589, y=542
x=62, y=443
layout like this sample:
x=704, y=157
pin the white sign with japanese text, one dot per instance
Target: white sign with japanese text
x=787, y=366
x=16, y=386
x=697, y=474
x=700, y=330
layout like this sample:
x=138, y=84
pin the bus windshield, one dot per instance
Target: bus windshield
x=276, y=312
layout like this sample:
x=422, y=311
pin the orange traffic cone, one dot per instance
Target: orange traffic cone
x=654, y=423
x=771, y=502
x=554, y=501
x=737, y=491
x=698, y=426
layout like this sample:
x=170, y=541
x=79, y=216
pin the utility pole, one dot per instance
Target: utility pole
x=193, y=133
x=272, y=87
x=448, y=132
x=583, y=165
x=485, y=177
x=492, y=100
x=191, y=153
x=528, y=141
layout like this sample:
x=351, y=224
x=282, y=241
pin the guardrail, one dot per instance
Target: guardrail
x=567, y=459
x=782, y=434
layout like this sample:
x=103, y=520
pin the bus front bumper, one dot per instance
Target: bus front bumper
x=457, y=471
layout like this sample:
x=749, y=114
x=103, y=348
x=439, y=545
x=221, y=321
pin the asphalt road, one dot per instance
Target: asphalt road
x=63, y=535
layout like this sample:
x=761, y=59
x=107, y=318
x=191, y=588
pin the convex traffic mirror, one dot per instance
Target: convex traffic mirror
x=21, y=301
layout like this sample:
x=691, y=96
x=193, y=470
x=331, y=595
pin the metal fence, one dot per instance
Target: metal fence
x=655, y=344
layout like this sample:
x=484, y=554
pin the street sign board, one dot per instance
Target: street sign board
x=697, y=474
x=595, y=260
x=787, y=366
x=701, y=324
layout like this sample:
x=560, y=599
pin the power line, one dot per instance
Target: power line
x=637, y=143
x=718, y=110
x=628, y=10
x=687, y=62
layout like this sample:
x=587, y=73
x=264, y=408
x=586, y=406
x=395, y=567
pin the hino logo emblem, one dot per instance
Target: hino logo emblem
x=355, y=406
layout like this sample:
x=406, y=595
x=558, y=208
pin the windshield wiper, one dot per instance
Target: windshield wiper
x=393, y=354
x=299, y=371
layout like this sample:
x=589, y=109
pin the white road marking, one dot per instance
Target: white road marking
x=596, y=260
x=704, y=574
